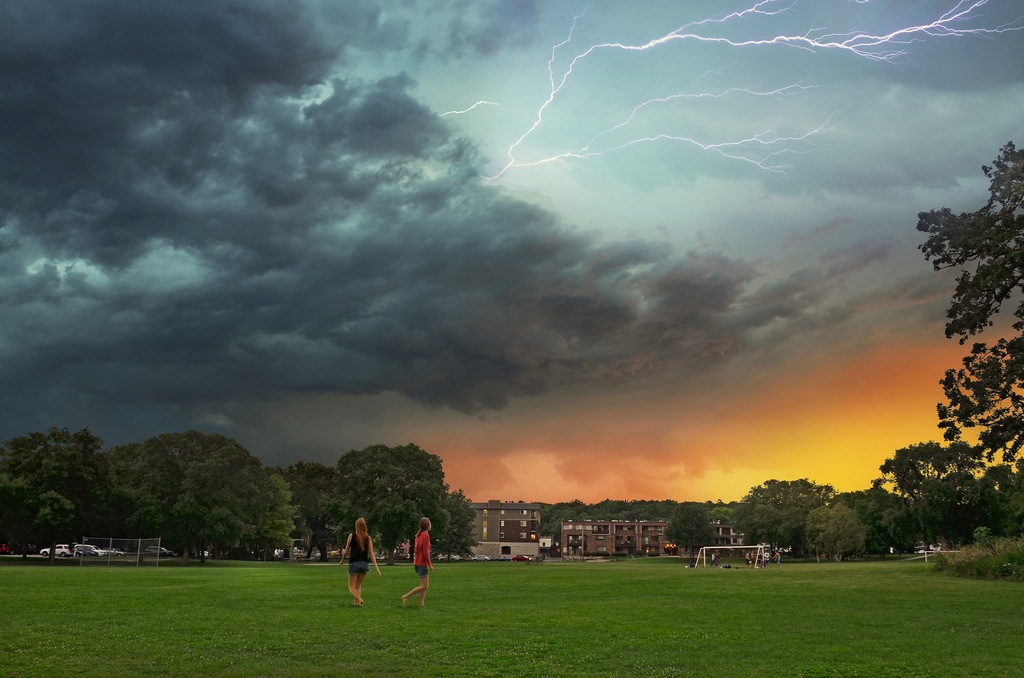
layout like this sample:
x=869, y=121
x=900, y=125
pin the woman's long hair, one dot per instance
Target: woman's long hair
x=362, y=536
x=424, y=525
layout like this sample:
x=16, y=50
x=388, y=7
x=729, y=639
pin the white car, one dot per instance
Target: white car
x=481, y=558
x=88, y=550
x=61, y=550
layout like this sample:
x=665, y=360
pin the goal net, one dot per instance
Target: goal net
x=118, y=551
x=755, y=556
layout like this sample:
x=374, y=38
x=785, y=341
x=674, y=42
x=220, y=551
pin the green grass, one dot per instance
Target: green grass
x=640, y=618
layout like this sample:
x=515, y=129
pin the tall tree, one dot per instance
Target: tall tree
x=272, y=515
x=690, y=526
x=59, y=477
x=986, y=247
x=835, y=531
x=457, y=536
x=392, y=487
x=775, y=512
x=313, y=495
x=943, y=489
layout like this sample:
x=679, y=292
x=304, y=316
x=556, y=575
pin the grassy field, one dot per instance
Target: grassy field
x=641, y=618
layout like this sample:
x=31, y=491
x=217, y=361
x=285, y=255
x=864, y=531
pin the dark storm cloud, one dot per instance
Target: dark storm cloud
x=480, y=28
x=212, y=216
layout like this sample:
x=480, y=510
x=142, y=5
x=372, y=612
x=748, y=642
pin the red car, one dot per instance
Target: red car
x=5, y=550
x=522, y=559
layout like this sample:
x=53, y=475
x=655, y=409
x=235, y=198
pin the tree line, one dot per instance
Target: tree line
x=204, y=492
x=927, y=493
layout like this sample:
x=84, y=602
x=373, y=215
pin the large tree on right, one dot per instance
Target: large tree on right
x=986, y=247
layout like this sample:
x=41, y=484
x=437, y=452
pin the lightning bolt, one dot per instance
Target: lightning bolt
x=764, y=148
x=467, y=110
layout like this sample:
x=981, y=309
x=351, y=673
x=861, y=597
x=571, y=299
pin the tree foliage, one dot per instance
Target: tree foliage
x=887, y=525
x=198, y=489
x=948, y=490
x=316, y=503
x=775, y=512
x=52, y=484
x=835, y=531
x=392, y=488
x=690, y=526
x=986, y=247
x=456, y=536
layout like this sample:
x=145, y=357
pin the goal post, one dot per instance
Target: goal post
x=757, y=553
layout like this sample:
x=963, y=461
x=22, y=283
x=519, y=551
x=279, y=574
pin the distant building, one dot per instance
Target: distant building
x=726, y=535
x=507, y=528
x=613, y=537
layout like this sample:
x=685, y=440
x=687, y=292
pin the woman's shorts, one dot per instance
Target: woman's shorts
x=359, y=566
x=421, y=571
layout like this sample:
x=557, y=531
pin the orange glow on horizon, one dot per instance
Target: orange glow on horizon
x=834, y=424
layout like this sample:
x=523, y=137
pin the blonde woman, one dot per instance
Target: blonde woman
x=361, y=547
x=421, y=560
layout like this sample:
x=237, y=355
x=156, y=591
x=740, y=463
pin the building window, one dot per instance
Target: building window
x=522, y=535
x=503, y=523
x=485, y=512
x=522, y=523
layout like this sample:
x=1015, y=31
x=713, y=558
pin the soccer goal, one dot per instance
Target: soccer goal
x=118, y=551
x=755, y=555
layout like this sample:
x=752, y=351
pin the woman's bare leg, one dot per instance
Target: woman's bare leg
x=420, y=590
x=353, y=588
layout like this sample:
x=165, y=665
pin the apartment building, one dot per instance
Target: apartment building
x=613, y=537
x=507, y=528
x=726, y=535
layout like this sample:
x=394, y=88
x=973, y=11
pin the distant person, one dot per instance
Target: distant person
x=421, y=561
x=361, y=547
x=778, y=558
x=714, y=559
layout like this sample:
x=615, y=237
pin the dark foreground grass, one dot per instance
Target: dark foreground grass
x=637, y=618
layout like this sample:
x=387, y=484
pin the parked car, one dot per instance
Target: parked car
x=503, y=559
x=158, y=551
x=61, y=550
x=5, y=550
x=481, y=558
x=88, y=550
x=522, y=559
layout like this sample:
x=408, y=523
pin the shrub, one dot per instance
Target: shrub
x=990, y=559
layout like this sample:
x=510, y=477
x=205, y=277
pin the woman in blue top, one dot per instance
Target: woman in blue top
x=361, y=546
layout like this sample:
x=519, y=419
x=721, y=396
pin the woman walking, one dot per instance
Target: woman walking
x=361, y=546
x=421, y=561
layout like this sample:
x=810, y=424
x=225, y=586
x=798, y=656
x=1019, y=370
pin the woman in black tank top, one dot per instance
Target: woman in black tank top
x=360, y=546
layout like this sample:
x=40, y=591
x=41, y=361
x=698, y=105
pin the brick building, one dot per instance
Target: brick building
x=613, y=537
x=507, y=528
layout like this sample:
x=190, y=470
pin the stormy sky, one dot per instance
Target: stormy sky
x=578, y=250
